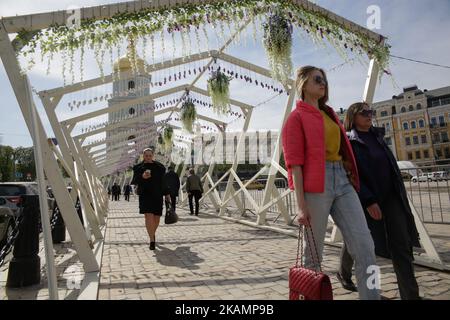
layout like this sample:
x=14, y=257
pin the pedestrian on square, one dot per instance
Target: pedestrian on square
x=115, y=191
x=384, y=198
x=126, y=192
x=194, y=189
x=323, y=173
x=173, y=185
x=148, y=176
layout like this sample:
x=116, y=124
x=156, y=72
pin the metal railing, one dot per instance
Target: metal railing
x=429, y=191
x=256, y=190
x=429, y=195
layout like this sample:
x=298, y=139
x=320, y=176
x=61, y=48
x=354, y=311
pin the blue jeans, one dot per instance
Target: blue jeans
x=341, y=201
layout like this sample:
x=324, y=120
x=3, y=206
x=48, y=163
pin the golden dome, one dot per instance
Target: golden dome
x=124, y=64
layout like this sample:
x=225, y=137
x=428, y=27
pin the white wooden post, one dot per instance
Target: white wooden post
x=229, y=188
x=73, y=224
x=270, y=188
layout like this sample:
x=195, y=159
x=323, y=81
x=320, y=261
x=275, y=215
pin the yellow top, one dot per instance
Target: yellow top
x=332, y=138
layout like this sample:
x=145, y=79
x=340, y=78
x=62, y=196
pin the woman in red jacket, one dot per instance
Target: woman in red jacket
x=323, y=173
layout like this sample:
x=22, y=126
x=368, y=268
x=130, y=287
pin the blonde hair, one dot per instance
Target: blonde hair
x=303, y=74
x=349, y=121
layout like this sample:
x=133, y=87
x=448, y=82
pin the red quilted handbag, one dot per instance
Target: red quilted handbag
x=307, y=284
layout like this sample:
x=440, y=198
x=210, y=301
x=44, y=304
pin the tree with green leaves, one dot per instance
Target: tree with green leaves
x=6, y=163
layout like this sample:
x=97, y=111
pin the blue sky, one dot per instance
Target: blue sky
x=416, y=29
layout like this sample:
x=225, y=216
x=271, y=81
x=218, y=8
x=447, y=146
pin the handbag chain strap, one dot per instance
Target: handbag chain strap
x=317, y=264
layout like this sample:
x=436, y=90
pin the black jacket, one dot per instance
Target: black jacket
x=172, y=182
x=156, y=185
x=369, y=189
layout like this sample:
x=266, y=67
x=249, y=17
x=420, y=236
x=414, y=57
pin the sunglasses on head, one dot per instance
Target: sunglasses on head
x=320, y=80
x=366, y=112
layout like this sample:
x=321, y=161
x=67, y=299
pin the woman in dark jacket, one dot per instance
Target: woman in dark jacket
x=383, y=196
x=148, y=176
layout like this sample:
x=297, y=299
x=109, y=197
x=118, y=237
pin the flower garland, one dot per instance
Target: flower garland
x=188, y=115
x=100, y=35
x=218, y=89
x=168, y=136
x=277, y=41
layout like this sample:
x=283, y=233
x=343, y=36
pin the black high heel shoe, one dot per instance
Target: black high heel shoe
x=153, y=244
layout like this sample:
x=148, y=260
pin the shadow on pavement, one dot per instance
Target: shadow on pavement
x=181, y=257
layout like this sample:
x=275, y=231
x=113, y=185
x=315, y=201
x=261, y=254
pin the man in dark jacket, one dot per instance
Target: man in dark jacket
x=173, y=186
x=115, y=192
x=126, y=192
x=194, y=189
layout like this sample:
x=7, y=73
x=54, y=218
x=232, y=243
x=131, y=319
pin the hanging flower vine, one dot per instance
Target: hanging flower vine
x=218, y=88
x=277, y=41
x=188, y=115
x=168, y=136
x=101, y=35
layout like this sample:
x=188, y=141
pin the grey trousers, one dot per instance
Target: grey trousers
x=341, y=201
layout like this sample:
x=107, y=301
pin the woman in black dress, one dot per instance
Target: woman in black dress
x=148, y=176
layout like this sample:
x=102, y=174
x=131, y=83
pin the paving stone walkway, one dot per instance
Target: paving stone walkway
x=207, y=257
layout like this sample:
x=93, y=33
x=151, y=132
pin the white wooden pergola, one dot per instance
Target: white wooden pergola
x=91, y=170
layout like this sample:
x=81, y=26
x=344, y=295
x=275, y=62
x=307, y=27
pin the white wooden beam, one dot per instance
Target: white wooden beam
x=70, y=216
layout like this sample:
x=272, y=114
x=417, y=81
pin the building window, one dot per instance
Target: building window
x=384, y=113
x=447, y=153
x=436, y=138
x=426, y=154
x=410, y=156
x=433, y=122
x=403, y=110
x=423, y=138
x=131, y=111
x=411, y=108
x=444, y=136
x=388, y=141
x=131, y=85
x=421, y=123
x=408, y=141
x=416, y=140
x=418, y=106
x=439, y=153
x=413, y=125
x=388, y=127
x=441, y=121
x=417, y=154
x=405, y=126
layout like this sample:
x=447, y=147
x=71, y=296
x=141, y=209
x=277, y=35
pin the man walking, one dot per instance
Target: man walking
x=126, y=192
x=194, y=189
x=173, y=184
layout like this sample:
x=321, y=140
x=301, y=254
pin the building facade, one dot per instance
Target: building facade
x=416, y=124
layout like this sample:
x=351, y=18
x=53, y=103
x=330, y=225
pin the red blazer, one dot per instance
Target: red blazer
x=303, y=140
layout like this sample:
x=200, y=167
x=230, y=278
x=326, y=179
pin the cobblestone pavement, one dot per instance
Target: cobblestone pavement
x=207, y=257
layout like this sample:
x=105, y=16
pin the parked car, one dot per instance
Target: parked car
x=440, y=175
x=406, y=175
x=6, y=221
x=254, y=185
x=424, y=177
x=10, y=197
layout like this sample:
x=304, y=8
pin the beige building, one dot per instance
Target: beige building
x=416, y=125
